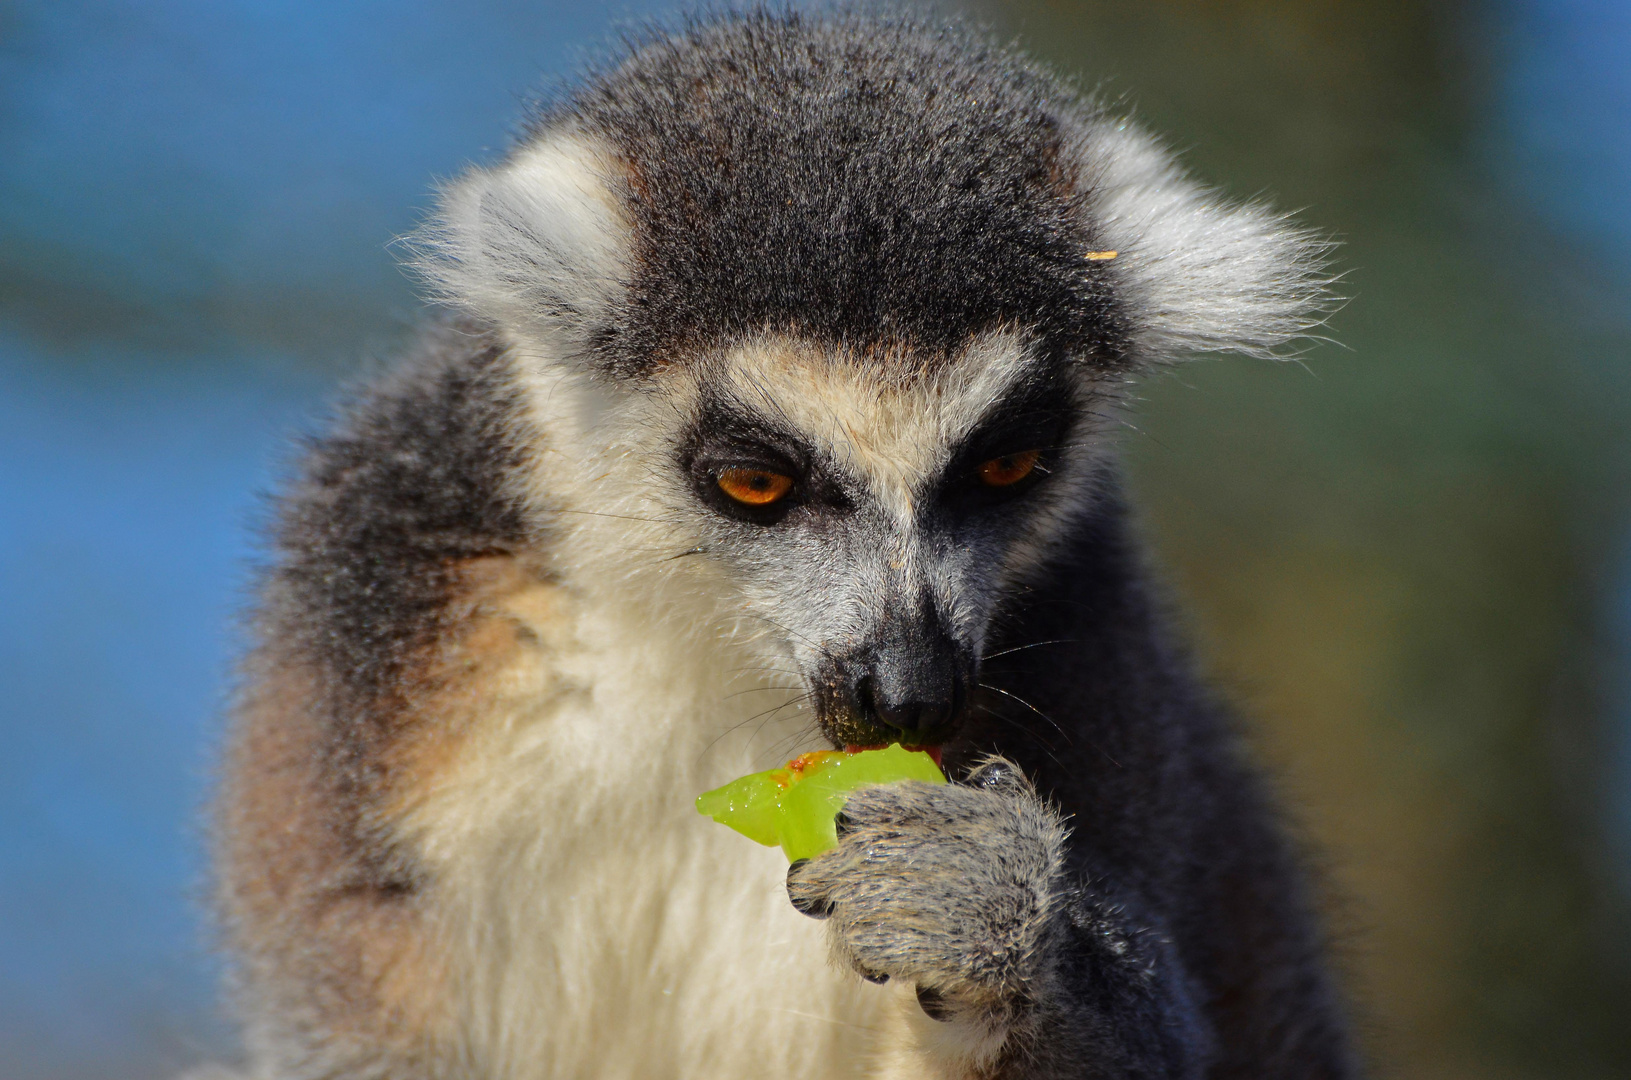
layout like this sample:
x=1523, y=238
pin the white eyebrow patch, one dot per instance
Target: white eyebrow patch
x=891, y=426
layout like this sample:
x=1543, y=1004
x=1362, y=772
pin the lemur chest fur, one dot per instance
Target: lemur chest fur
x=616, y=931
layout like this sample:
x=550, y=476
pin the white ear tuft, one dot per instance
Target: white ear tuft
x=537, y=244
x=1196, y=272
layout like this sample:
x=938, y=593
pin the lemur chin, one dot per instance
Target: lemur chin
x=773, y=412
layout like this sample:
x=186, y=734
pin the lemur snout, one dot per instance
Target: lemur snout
x=912, y=681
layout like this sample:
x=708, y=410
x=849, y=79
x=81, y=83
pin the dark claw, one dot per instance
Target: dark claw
x=998, y=776
x=817, y=907
x=933, y=1004
x=872, y=976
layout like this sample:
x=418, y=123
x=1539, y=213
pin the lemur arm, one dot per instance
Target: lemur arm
x=965, y=891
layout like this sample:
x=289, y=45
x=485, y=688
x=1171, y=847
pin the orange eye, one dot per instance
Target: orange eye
x=754, y=487
x=1009, y=469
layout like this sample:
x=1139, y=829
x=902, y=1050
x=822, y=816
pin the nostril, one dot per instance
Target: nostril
x=931, y=715
x=902, y=716
x=916, y=715
x=909, y=712
x=866, y=694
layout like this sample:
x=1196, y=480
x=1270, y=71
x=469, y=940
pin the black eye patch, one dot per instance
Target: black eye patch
x=1039, y=416
x=727, y=437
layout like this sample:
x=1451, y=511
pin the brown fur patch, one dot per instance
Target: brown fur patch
x=320, y=935
x=504, y=610
x=347, y=954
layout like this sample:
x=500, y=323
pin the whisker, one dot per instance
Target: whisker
x=1031, y=707
x=758, y=690
x=1032, y=645
x=1047, y=747
x=756, y=667
x=1068, y=740
x=620, y=517
x=769, y=671
x=795, y=737
x=1028, y=730
x=788, y=742
x=822, y=649
x=768, y=715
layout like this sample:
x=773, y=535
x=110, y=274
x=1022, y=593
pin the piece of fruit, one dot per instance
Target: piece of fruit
x=795, y=805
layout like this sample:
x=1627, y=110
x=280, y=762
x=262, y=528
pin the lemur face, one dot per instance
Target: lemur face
x=874, y=514
x=842, y=334
x=870, y=504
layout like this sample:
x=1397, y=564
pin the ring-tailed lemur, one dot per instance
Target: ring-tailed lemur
x=785, y=355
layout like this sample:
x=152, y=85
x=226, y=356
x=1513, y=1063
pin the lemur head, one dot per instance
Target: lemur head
x=837, y=311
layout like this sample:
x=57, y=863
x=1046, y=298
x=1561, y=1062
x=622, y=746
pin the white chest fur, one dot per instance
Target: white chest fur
x=601, y=927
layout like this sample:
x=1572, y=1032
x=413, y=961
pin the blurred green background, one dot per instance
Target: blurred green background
x=1407, y=557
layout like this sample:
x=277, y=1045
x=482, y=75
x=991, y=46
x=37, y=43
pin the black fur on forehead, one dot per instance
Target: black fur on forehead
x=879, y=186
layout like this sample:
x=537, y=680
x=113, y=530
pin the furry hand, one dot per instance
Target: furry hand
x=953, y=887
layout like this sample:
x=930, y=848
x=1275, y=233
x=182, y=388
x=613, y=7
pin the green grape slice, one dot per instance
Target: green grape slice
x=794, y=806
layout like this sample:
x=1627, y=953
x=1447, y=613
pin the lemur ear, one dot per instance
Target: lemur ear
x=538, y=243
x=1196, y=272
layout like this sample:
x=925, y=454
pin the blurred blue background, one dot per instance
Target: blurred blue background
x=1410, y=560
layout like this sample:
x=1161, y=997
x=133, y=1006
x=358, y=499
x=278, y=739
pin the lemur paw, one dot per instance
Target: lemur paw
x=952, y=887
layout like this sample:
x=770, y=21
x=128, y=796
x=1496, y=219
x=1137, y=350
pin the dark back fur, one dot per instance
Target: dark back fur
x=416, y=478
x=1108, y=717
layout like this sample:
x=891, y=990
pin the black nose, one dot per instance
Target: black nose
x=919, y=711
